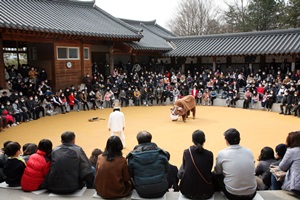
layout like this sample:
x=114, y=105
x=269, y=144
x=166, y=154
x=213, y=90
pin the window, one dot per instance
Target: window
x=86, y=53
x=67, y=53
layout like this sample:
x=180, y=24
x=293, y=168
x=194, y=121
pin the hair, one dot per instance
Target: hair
x=266, y=153
x=293, y=139
x=232, y=136
x=198, y=138
x=144, y=137
x=12, y=148
x=6, y=143
x=31, y=149
x=94, y=156
x=45, y=145
x=67, y=137
x=113, y=148
x=24, y=147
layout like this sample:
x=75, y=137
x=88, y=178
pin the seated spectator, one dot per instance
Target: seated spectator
x=148, y=167
x=265, y=159
x=235, y=169
x=280, y=151
x=84, y=100
x=58, y=103
x=99, y=99
x=255, y=98
x=30, y=149
x=172, y=176
x=94, y=157
x=195, y=171
x=3, y=159
x=291, y=163
x=112, y=177
x=205, y=98
x=247, y=99
x=70, y=168
x=136, y=97
x=14, y=166
x=295, y=105
x=107, y=99
x=212, y=96
x=285, y=103
x=37, y=167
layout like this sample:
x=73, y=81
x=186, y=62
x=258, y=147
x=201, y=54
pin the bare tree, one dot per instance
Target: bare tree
x=194, y=17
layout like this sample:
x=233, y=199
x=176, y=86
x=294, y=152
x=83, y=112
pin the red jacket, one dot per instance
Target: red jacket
x=35, y=172
x=71, y=99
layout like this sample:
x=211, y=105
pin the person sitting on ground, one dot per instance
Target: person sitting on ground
x=265, y=159
x=30, y=149
x=235, y=169
x=291, y=163
x=3, y=159
x=280, y=150
x=195, y=171
x=37, y=167
x=70, y=168
x=112, y=178
x=15, y=165
x=94, y=157
x=172, y=178
x=148, y=167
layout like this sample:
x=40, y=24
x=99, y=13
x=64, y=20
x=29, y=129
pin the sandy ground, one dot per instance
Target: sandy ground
x=258, y=128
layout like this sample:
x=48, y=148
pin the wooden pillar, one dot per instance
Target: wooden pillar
x=18, y=58
x=214, y=64
x=173, y=62
x=111, y=59
x=83, y=72
x=262, y=61
x=2, y=69
x=228, y=61
x=293, y=67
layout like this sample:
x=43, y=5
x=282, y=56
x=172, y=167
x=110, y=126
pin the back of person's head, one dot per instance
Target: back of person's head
x=94, y=156
x=232, y=136
x=144, y=137
x=198, y=138
x=293, y=139
x=24, y=147
x=113, y=148
x=266, y=153
x=6, y=143
x=280, y=150
x=31, y=149
x=12, y=148
x=67, y=137
x=45, y=145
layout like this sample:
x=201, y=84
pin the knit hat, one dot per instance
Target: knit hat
x=280, y=150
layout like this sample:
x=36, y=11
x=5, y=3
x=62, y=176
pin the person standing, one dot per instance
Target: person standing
x=116, y=123
x=235, y=169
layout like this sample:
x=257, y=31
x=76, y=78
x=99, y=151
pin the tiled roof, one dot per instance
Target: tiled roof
x=154, y=36
x=64, y=17
x=251, y=43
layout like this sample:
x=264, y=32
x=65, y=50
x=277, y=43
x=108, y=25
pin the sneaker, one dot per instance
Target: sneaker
x=14, y=124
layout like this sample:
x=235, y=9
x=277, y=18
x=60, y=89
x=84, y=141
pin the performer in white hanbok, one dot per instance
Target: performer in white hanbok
x=116, y=123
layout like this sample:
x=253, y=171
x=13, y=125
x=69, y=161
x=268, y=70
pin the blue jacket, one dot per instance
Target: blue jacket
x=148, y=166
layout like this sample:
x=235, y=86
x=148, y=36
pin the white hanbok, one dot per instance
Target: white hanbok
x=116, y=125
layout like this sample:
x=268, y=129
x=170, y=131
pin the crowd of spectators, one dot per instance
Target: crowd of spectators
x=32, y=97
x=66, y=168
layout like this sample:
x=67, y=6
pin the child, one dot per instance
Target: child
x=14, y=167
x=37, y=167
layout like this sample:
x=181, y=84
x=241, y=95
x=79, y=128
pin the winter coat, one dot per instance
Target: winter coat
x=291, y=164
x=148, y=166
x=35, y=172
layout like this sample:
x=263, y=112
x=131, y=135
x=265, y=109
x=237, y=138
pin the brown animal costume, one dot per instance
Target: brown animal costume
x=183, y=106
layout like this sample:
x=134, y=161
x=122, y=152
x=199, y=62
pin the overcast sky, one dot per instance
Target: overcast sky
x=145, y=10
